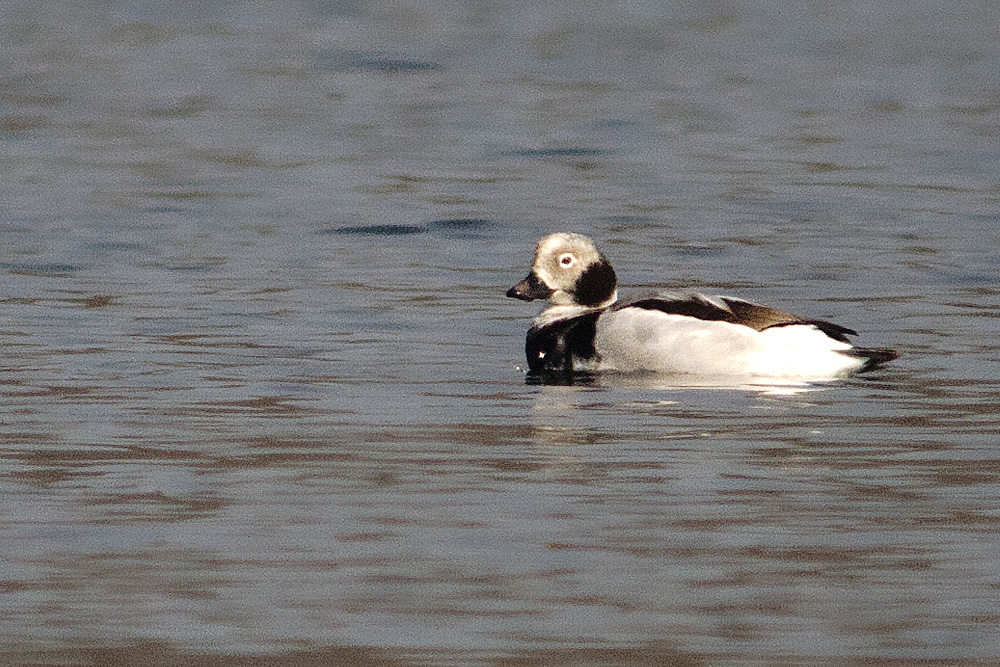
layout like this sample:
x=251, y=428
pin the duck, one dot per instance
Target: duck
x=587, y=329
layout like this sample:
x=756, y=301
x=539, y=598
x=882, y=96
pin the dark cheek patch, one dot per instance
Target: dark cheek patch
x=596, y=284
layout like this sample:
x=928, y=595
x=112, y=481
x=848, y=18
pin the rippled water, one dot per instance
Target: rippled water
x=261, y=391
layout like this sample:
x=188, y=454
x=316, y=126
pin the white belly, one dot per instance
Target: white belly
x=634, y=339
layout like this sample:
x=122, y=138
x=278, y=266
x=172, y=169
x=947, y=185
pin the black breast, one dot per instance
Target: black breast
x=552, y=348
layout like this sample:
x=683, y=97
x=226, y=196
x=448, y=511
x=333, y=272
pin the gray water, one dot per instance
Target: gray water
x=261, y=392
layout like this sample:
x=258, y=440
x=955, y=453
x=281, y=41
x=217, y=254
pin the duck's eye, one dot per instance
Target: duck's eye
x=566, y=260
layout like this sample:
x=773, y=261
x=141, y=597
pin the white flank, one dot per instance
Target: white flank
x=634, y=339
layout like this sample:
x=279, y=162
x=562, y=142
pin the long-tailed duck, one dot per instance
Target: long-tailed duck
x=587, y=329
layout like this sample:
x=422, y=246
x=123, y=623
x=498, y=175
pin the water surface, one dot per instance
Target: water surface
x=261, y=393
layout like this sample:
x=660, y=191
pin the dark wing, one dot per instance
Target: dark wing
x=764, y=317
x=735, y=311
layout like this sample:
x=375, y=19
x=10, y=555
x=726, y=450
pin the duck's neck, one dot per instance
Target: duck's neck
x=558, y=312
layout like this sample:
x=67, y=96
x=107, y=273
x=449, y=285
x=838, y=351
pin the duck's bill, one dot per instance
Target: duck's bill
x=529, y=289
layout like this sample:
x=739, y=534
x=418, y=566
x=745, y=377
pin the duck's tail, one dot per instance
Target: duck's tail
x=872, y=357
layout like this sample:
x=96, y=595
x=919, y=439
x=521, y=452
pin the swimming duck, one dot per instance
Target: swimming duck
x=587, y=329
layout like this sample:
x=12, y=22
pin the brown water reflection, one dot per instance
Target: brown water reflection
x=156, y=654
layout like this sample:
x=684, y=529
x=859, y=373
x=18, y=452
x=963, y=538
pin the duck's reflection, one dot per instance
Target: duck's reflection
x=674, y=381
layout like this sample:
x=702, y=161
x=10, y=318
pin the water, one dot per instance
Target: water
x=261, y=391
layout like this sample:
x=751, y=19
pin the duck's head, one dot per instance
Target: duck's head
x=568, y=270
